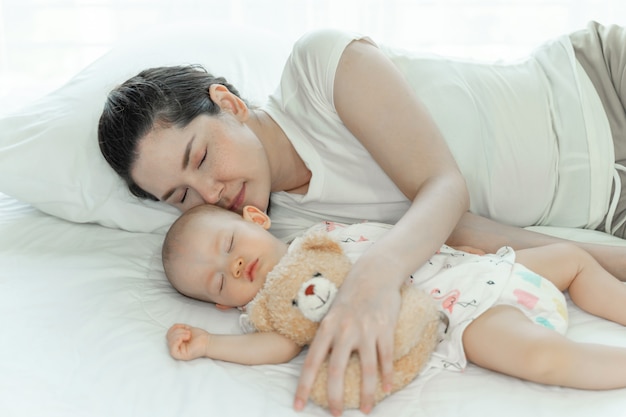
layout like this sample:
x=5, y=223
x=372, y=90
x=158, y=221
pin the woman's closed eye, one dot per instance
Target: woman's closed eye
x=203, y=159
x=182, y=199
x=184, y=196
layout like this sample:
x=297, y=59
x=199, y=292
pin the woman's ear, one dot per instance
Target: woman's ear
x=254, y=215
x=228, y=101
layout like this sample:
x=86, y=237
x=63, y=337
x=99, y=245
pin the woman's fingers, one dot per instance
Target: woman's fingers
x=369, y=376
x=337, y=362
x=335, y=344
x=385, y=357
x=317, y=353
x=376, y=360
x=362, y=320
x=340, y=335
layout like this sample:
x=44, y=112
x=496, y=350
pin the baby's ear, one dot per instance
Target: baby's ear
x=254, y=215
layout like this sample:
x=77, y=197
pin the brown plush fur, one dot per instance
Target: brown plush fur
x=317, y=254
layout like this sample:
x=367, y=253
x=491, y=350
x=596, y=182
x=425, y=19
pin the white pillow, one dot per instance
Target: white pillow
x=49, y=155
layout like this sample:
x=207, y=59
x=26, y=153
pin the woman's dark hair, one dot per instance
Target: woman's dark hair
x=168, y=96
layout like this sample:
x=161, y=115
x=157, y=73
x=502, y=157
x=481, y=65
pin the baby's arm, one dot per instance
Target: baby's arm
x=187, y=342
x=469, y=249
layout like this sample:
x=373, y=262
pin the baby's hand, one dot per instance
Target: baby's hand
x=186, y=342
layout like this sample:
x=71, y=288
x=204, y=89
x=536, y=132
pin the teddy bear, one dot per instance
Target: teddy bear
x=299, y=291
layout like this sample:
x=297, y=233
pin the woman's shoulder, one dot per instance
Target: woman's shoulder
x=324, y=42
x=326, y=36
x=313, y=62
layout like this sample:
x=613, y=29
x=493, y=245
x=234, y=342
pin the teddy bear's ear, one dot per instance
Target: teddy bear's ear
x=321, y=241
x=258, y=314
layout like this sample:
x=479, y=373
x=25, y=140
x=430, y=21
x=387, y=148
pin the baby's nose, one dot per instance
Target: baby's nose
x=237, y=268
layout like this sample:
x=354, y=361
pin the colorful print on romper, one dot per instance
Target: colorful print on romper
x=352, y=240
x=449, y=299
x=531, y=277
x=561, y=308
x=529, y=300
x=525, y=298
x=544, y=322
x=330, y=226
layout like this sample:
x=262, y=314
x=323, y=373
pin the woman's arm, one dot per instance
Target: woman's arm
x=188, y=342
x=380, y=109
x=489, y=236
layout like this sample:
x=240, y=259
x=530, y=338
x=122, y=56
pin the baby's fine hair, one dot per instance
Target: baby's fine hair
x=164, y=96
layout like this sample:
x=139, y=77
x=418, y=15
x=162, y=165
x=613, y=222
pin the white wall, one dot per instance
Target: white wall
x=44, y=42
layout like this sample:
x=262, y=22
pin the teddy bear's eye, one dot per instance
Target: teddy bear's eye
x=317, y=274
x=294, y=303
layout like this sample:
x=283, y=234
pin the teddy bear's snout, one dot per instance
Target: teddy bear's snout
x=315, y=297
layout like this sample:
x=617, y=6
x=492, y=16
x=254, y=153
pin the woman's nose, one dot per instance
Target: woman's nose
x=211, y=192
x=237, y=268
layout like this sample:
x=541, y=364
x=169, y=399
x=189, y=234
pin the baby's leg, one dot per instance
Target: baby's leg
x=571, y=268
x=504, y=340
x=488, y=235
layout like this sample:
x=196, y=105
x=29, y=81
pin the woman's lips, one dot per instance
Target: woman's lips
x=238, y=200
x=251, y=270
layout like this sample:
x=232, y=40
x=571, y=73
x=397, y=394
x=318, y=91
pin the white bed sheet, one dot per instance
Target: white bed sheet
x=83, y=315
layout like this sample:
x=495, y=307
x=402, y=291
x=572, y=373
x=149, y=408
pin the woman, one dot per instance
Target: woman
x=346, y=138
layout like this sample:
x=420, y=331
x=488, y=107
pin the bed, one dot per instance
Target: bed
x=84, y=303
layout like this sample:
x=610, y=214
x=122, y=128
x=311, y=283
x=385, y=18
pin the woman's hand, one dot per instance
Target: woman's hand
x=362, y=319
x=186, y=342
x=379, y=108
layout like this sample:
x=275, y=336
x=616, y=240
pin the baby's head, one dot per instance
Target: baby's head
x=218, y=256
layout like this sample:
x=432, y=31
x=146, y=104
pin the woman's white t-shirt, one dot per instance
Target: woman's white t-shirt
x=530, y=137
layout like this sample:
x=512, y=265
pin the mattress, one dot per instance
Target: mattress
x=84, y=310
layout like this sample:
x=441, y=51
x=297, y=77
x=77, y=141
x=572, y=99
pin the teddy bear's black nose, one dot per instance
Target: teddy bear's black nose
x=294, y=303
